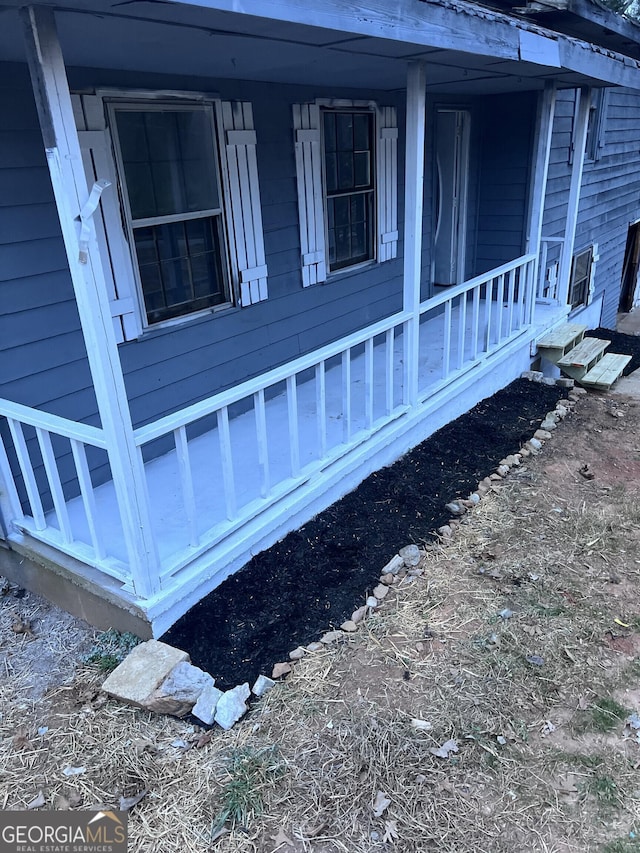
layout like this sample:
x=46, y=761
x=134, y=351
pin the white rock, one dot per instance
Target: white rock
x=143, y=671
x=331, y=637
x=349, y=626
x=359, y=614
x=535, y=443
x=410, y=555
x=393, y=566
x=315, y=647
x=263, y=685
x=180, y=690
x=231, y=706
x=372, y=601
x=455, y=508
x=205, y=707
x=297, y=654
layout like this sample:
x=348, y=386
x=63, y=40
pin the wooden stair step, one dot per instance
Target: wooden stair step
x=584, y=353
x=561, y=340
x=606, y=371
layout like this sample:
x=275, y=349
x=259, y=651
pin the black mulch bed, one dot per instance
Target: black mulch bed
x=622, y=344
x=316, y=576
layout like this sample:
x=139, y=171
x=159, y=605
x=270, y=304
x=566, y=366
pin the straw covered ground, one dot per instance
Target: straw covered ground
x=487, y=706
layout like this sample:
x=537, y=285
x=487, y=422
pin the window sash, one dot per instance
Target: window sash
x=218, y=296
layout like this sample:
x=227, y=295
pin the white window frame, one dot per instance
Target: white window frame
x=312, y=187
x=592, y=250
x=128, y=104
x=242, y=250
x=594, y=143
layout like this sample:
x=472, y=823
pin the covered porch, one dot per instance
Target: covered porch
x=158, y=513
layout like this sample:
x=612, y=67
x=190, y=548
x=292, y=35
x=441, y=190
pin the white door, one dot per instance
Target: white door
x=452, y=166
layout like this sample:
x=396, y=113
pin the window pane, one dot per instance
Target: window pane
x=329, y=131
x=341, y=210
x=362, y=123
x=180, y=267
x=362, y=171
x=345, y=170
x=331, y=172
x=174, y=147
x=344, y=131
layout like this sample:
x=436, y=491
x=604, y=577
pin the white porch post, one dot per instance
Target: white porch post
x=413, y=204
x=53, y=100
x=580, y=139
x=539, y=173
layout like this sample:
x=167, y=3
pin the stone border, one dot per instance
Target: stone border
x=162, y=679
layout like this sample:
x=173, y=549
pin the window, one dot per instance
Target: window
x=346, y=166
x=595, y=124
x=582, y=274
x=169, y=165
x=349, y=187
x=180, y=231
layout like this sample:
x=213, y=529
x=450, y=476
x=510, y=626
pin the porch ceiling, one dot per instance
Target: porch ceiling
x=190, y=40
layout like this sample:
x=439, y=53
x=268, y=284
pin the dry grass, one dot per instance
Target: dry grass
x=508, y=644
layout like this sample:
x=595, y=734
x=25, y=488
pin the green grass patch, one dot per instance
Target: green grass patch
x=606, y=714
x=249, y=771
x=110, y=649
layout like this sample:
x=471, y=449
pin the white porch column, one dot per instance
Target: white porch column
x=53, y=100
x=540, y=171
x=579, y=139
x=413, y=205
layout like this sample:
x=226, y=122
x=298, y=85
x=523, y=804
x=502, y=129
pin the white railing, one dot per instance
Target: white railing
x=551, y=249
x=217, y=465
x=468, y=322
x=46, y=509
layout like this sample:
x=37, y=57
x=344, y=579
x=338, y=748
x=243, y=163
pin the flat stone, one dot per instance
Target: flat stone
x=262, y=685
x=331, y=637
x=358, y=615
x=474, y=498
x=549, y=425
x=143, y=671
x=548, y=380
x=565, y=382
x=532, y=375
x=486, y=482
x=205, y=707
x=455, y=508
x=393, y=566
x=467, y=504
x=503, y=470
x=495, y=477
x=579, y=392
x=232, y=705
x=482, y=489
x=410, y=554
x=349, y=626
x=525, y=452
x=297, y=654
x=381, y=591
x=455, y=522
x=535, y=443
x=542, y=435
x=280, y=669
x=561, y=411
x=513, y=460
x=180, y=690
x=388, y=578
x=315, y=647
x=372, y=601
x=445, y=531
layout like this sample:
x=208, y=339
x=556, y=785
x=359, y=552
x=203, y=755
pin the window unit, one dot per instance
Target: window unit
x=582, y=276
x=180, y=231
x=595, y=125
x=167, y=160
x=346, y=166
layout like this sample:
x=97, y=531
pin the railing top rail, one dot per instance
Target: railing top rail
x=169, y=423
x=465, y=286
x=53, y=423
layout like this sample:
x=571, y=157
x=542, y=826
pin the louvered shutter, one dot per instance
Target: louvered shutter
x=387, y=183
x=306, y=124
x=95, y=145
x=244, y=220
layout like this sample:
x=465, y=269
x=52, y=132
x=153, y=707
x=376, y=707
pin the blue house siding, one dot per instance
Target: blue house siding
x=610, y=190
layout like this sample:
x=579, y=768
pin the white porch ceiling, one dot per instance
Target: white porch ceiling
x=177, y=39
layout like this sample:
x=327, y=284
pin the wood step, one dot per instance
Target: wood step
x=585, y=354
x=606, y=371
x=558, y=342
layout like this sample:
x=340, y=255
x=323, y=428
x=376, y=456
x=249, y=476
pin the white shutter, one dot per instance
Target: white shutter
x=244, y=222
x=306, y=124
x=95, y=146
x=595, y=257
x=387, y=183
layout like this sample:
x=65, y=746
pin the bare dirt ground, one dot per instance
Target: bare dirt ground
x=487, y=706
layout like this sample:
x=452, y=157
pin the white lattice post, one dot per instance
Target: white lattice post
x=579, y=142
x=66, y=169
x=413, y=205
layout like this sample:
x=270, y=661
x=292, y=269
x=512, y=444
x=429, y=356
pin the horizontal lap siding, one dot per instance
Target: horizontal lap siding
x=610, y=191
x=43, y=361
x=504, y=165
